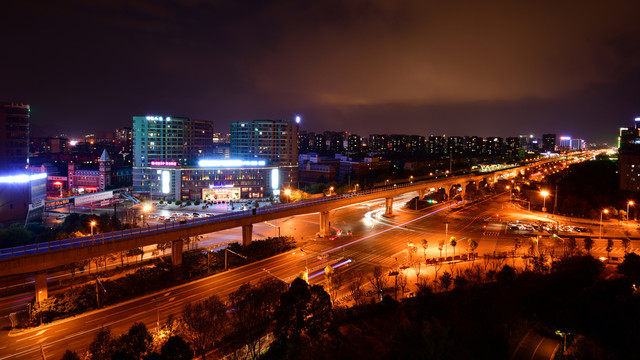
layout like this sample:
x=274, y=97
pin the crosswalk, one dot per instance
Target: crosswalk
x=491, y=233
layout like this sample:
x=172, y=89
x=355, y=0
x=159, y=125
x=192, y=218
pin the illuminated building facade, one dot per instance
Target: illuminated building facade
x=167, y=138
x=22, y=194
x=218, y=180
x=275, y=141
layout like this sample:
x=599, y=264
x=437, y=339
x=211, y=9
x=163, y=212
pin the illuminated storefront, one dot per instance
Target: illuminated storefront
x=219, y=180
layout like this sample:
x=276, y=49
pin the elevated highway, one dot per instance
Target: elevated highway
x=38, y=258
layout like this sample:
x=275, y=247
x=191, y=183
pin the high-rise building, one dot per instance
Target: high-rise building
x=455, y=146
x=320, y=143
x=378, y=143
x=513, y=146
x=167, y=140
x=14, y=136
x=548, y=142
x=275, y=141
x=472, y=146
x=436, y=145
x=305, y=140
x=629, y=158
x=201, y=139
x=22, y=194
x=354, y=143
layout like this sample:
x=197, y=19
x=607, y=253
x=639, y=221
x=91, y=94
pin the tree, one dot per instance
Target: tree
x=453, y=242
x=473, y=245
x=445, y=280
x=176, y=349
x=302, y=308
x=101, y=348
x=163, y=247
x=402, y=283
x=506, y=275
x=425, y=244
x=204, y=323
x=440, y=245
x=378, y=279
x=588, y=244
x=70, y=355
x=334, y=282
x=609, y=248
x=355, y=288
x=625, y=244
x=135, y=343
x=630, y=266
x=572, y=245
x=254, y=307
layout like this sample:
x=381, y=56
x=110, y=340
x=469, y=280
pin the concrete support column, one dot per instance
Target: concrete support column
x=325, y=224
x=388, y=206
x=176, y=252
x=421, y=194
x=41, y=286
x=247, y=234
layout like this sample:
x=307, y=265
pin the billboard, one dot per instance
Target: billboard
x=85, y=199
x=220, y=193
x=57, y=204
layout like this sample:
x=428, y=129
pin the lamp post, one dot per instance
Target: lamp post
x=544, y=194
x=330, y=190
x=287, y=193
x=411, y=179
x=630, y=202
x=509, y=188
x=605, y=211
x=446, y=236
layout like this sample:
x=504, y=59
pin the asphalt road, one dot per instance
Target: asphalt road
x=376, y=241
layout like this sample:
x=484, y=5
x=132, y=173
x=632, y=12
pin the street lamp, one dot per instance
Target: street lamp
x=330, y=190
x=544, y=194
x=630, y=202
x=145, y=209
x=411, y=178
x=287, y=193
x=92, y=223
x=509, y=188
x=605, y=211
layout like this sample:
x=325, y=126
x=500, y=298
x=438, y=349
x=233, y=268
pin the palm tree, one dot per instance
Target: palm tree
x=453, y=242
x=440, y=245
x=588, y=244
x=473, y=245
x=609, y=247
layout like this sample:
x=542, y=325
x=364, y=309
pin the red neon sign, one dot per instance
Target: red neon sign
x=164, y=163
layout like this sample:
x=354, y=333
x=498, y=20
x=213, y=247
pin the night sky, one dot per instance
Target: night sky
x=487, y=68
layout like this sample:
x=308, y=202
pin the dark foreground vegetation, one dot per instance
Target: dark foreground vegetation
x=152, y=276
x=483, y=320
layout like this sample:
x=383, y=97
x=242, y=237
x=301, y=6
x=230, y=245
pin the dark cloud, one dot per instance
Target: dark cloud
x=491, y=67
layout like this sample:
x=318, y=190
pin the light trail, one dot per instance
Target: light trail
x=389, y=229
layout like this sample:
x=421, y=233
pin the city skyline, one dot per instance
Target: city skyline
x=490, y=69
